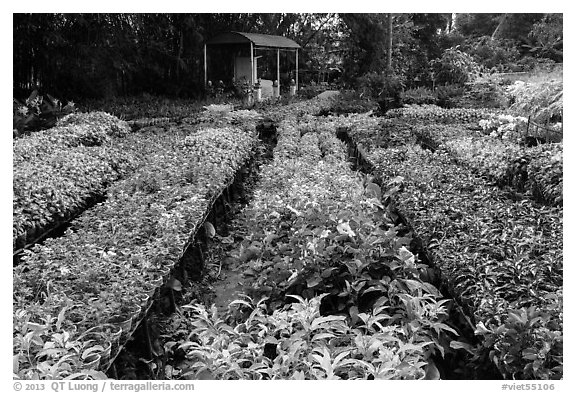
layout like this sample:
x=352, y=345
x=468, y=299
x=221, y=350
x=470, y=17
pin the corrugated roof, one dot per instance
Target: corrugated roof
x=261, y=40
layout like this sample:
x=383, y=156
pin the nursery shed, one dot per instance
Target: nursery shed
x=244, y=47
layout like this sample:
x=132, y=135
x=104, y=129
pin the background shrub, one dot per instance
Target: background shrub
x=454, y=67
x=499, y=55
x=448, y=96
x=382, y=88
x=418, y=96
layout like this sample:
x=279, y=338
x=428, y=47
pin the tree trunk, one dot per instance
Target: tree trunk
x=498, y=29
x=179, y=57
x=389, y=45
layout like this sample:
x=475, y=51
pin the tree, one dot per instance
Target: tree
x=547, y=37
x=389, y=44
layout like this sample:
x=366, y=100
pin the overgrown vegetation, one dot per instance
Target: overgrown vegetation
x=436, y=254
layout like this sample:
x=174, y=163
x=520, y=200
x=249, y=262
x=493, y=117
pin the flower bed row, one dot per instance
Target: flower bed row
x=502, y=259
x=436, y=113
x=536, y=170
x=112, y=259
x=316, y=236
x=55, y=172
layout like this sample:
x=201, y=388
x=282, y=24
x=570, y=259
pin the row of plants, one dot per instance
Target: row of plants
x=536, y=172
x=144, y=106
x=482, y=92
x=439, y=114
x=501, y=259
x=57, y=171
x=331, y=291
x=102, y=273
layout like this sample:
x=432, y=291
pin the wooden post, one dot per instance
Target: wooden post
x=251, y=63
x=278, y=69
x=296, y=69
x=205, y=67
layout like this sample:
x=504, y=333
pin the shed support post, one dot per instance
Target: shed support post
x=251, y=63
x=296, y=69
x=205, y=67
x=278, y=69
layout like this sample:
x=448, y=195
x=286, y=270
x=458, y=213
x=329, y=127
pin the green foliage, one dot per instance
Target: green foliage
x=498, y=55
x=545, y=173
x=123, y=248
x=350, y=102
x=382, y=88
x=297, y=342
x=542, y=100
x=496, y=256
x=485, y=92
x=418, y=96
x=145, y=106
x=449, y=96
x=50, y=348
x=454, y=67
x=529, y=342
x=436, y=113
x=57, y=171
x=548, y=37
x=38, y=112
x=536, y=171
x=317, y=234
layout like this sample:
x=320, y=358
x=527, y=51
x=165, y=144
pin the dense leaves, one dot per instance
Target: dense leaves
x=541, y=99
x=57, y=171
x=316, y=233
x=497, y=256
x=116, y=254
x=436, y=113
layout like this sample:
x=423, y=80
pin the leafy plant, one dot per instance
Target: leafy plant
x=315, y=237
x=418, y=96
x=454, y=67
x=436, y=113
x=494, y=54
x=117, y=247
x=382, y=88
x=39, y=112
x=528, y=344
x=449, y=96
x=296, y=342
x=541, y=100
x=478, y=239
x=486, y=92
x=349, y=102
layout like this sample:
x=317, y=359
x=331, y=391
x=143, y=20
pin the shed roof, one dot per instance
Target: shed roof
x=259, y=40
